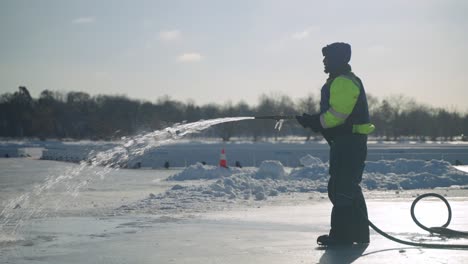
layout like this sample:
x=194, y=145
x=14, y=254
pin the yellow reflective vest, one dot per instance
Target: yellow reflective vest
x=343, y=105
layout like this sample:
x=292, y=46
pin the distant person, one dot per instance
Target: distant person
x=344, y=122
x=138, y=165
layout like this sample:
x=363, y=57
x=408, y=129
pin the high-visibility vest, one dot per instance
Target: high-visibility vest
x=343, y=106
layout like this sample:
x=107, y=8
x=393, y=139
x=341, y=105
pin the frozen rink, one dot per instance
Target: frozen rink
x=136, y=216
x=269, y=234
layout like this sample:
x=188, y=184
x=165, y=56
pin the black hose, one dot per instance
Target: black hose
x=443, y=230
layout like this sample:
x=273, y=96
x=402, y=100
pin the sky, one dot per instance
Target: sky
x=229, y=51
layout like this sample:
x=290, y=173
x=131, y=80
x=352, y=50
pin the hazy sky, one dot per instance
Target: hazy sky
x=219, y=51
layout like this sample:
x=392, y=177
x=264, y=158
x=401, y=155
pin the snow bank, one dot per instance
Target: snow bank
x=394, y=174
x=199, y=171
x=412, y=174
x=240, y=183
x=219, y=193
x=226, y=186
x=314, y=169
x=384, y=174
x=270, y=169
x=310, y=161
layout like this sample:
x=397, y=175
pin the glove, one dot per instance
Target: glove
x=310, y=121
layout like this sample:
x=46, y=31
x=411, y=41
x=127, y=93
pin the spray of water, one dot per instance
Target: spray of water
x=108, y=160
x=279, y=124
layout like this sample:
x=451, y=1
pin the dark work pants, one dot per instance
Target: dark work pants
x=347, y=156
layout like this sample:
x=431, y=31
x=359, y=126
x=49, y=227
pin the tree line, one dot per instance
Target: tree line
x=78, y=115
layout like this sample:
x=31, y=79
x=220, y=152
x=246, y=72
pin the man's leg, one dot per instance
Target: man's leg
x=360, y=222
x=347, y=156
x=339, y=194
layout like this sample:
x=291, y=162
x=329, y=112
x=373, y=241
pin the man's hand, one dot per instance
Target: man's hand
x=311, y=121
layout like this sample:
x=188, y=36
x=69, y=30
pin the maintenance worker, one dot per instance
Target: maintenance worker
x=344, y=122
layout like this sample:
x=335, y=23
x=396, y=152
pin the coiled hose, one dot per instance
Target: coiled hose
x=443, y=230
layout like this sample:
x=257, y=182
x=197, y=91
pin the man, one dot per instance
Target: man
x=344, y=122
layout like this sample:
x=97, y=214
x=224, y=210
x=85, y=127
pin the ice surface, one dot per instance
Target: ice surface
x=234, y=218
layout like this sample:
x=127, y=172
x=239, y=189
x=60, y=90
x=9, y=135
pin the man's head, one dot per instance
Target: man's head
x=337, y=55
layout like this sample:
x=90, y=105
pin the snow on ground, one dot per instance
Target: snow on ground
x=383, y=174
x=271, y=179
x=206, y=214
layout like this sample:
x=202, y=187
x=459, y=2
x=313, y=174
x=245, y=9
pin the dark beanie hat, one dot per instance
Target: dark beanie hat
x=338, y=52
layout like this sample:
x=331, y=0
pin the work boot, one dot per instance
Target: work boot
x=326, y=241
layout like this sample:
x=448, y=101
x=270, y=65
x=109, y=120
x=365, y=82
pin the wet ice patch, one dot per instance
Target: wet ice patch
x=10, y=240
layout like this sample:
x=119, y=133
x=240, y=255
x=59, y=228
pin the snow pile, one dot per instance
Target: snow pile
x=237, y=188
x=199, y=171
x=310, y=161
x=269, y=179
x=412, y=174
x=234, y=185
x=241, y=186
x=383, y=174
x=314, y=169
x=406, y=166
x=270, y=169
